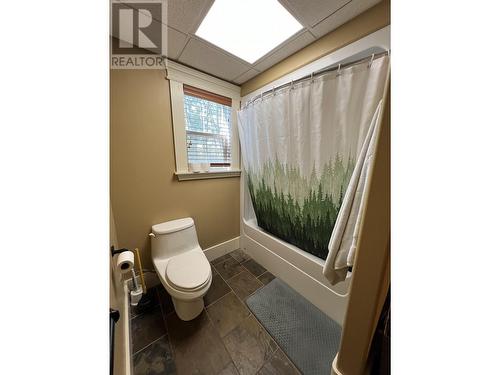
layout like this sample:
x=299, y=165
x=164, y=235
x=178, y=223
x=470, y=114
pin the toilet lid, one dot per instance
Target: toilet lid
x=189, y=270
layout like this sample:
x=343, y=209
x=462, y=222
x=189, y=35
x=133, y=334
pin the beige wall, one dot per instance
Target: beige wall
x=144, y=190
x=366, y=23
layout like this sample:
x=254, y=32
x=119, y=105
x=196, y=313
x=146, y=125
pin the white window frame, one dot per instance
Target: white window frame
x=179, y=75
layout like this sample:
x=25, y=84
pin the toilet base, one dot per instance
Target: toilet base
x=188, y=310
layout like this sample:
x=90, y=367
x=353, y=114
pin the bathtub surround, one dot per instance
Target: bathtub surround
x=298, y=150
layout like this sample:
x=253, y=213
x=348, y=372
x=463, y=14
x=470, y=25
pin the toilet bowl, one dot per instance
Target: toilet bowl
x=181, y=265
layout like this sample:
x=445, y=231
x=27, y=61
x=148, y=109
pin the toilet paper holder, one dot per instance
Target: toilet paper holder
x=141, y=274
x=125, y=259
x=114, y=252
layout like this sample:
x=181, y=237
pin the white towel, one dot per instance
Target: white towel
x=344, y=239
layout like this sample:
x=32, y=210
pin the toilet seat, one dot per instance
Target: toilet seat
x=189, y=271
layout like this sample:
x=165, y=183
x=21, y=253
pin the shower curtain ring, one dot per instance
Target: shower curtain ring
x=312, y=76
x=338, y=70
x=371, y=60
x=291, y=85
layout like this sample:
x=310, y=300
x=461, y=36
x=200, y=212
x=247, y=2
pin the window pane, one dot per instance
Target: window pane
x=208, y=131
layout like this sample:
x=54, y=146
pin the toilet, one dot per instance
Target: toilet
x=181, y=265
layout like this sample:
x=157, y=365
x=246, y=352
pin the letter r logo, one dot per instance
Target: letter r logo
x=136, y=28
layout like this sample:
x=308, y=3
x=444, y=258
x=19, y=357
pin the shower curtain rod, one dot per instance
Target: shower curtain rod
x=318, y=73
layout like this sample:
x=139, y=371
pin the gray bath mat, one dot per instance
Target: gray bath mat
x=308, y=337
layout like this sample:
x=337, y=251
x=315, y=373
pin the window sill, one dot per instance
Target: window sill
x=185, y=176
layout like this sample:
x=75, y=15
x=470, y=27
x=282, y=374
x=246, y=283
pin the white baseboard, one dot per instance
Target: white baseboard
x=221, y=249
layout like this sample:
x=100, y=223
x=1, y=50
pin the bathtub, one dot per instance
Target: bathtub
x=300, y=270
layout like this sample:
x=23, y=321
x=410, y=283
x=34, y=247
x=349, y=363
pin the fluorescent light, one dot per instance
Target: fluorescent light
x=247, y=28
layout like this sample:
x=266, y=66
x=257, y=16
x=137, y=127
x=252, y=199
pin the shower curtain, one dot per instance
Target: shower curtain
x=300, y=147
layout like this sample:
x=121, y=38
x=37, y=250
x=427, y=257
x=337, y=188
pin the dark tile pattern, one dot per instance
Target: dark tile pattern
x=146, y=328
x=197, y=347
x=278, y=364
x=240, y=255
x=244, y=284
x=152, y=302
x=226, y=339
x=221, y=259
x=255, y=268
x=218, y=289
x=155, y=359
x=227, y=313
x=249, y=345
x=228, y=268
x=266, y=277
x=167, y=305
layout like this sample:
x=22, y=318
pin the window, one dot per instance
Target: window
x=204, y=123
x=208, y=127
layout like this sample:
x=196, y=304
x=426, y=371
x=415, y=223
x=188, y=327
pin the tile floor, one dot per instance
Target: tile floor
x=226, y=339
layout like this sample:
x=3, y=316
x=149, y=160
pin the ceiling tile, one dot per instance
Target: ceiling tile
x=313, y=11
x=246, y=76
x=286, y=50
x=186, y=15
x=175, y=44
x=348, y=12
x=206, y=58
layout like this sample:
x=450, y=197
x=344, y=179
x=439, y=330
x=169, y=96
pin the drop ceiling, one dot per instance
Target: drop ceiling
x=318, y=17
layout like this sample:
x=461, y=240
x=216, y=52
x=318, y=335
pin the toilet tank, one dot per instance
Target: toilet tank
x=173, y=237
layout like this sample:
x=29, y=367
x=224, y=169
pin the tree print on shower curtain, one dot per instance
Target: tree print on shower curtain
x=299, y=209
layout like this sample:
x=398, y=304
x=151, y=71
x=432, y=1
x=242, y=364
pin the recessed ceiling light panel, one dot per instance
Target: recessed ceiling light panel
x=248, y=28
